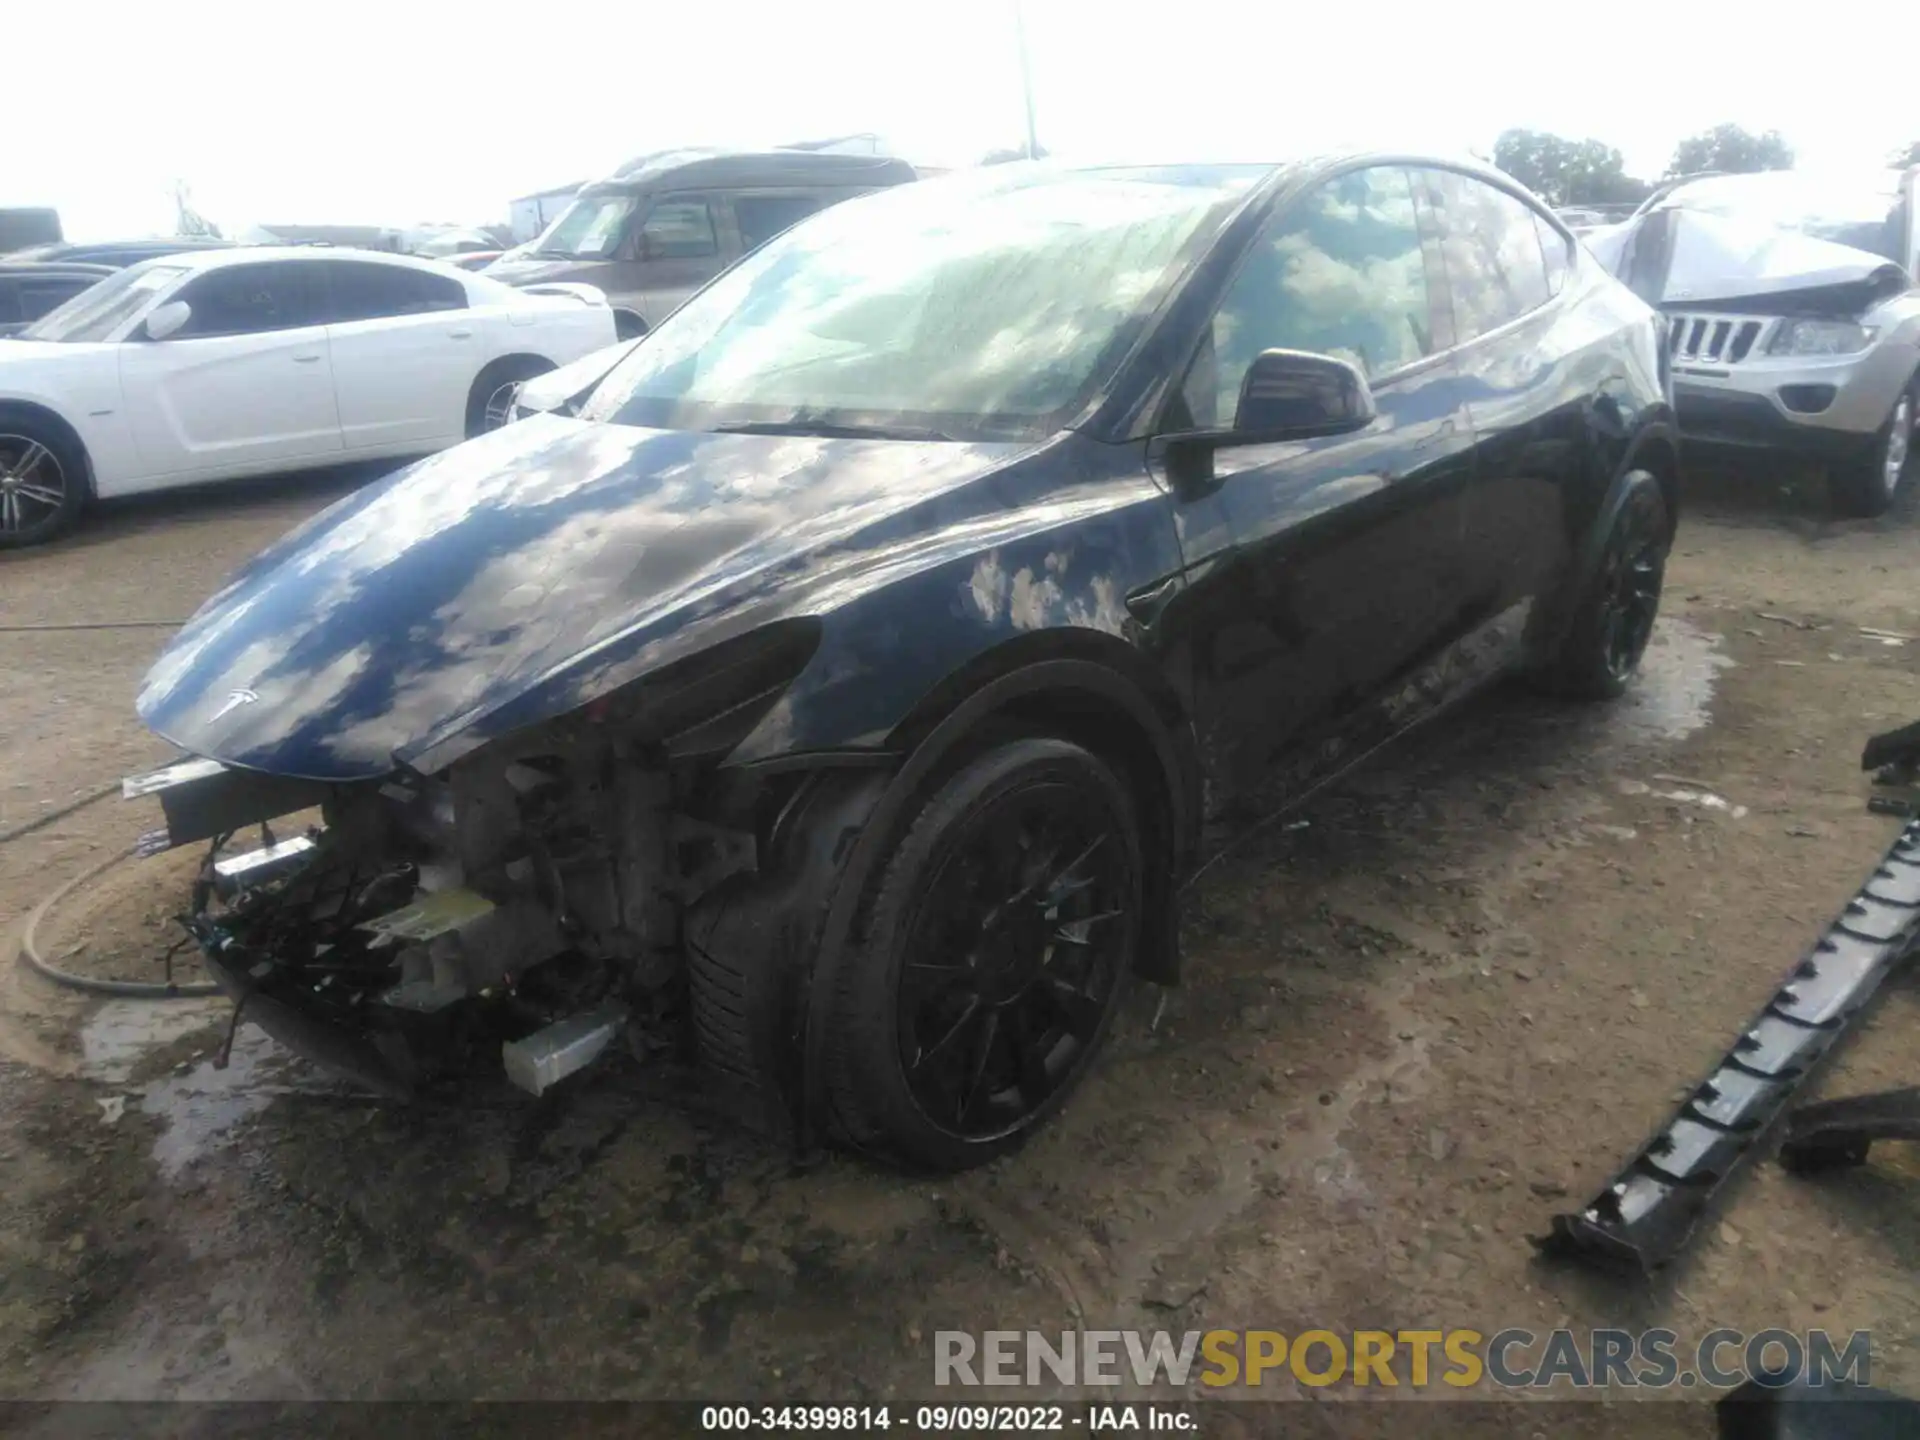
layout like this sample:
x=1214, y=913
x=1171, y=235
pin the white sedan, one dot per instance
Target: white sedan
x=247, y=361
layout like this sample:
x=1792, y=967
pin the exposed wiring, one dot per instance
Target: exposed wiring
x=127, y=989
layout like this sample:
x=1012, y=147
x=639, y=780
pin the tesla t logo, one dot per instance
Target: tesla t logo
x=235, y=699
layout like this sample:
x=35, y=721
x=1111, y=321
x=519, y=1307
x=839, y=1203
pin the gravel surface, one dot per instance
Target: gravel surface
x=1415, y=1027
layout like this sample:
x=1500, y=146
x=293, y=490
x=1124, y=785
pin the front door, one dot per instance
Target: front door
x=246, y=384
x=676, y=248
x=1323, y=572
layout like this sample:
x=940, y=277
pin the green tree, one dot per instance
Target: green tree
x=1567, y=172
x=1731, y=151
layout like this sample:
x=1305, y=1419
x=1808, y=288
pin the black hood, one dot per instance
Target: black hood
x=527, y=571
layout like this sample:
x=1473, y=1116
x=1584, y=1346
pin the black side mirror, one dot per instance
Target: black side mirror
x=1285, y=395
x=1292, y=393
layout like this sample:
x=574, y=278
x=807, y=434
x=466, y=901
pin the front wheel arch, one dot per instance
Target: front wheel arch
x=38, y=425
x=1015, y=697
x=506, y=369
x=33, y=410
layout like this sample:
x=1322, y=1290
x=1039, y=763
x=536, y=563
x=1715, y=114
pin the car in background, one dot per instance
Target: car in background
x=249, y=360
x=1794, y=323
x=840, y=695
x=28, y=291
x=472, y=259
x=118, y=253
x=24, y=225
x=663, y=225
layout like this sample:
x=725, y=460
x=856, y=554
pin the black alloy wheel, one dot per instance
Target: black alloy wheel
x=1000, y=938
x=1608, y=637
x=1631, y=578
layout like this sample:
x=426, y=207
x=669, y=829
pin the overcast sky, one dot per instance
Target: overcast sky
x=400, y=112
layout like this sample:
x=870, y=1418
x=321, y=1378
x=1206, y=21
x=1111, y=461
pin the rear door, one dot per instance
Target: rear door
x=406, y=351
x=1321, y=572
x=245, y=384
x=1533, y=370
x=759, y=215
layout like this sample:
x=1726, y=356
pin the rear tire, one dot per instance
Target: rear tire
x=491, y=399
x=1603, y=648
x=43, y=480
x=1865, y=488
x=994, y=948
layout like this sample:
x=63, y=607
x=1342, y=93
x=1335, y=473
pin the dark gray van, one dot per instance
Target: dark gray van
x=663, y=225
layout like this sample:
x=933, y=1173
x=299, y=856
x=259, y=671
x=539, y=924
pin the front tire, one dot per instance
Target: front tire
x=1608, y=638
x=43, y=486
x=1865, y=488
x=490, y=402
x=994, y=949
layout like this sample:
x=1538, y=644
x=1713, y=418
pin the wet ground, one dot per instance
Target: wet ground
x=1416, y=1025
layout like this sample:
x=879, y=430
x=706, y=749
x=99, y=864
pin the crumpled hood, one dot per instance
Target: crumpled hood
x=1676, y=256
x=551, y=559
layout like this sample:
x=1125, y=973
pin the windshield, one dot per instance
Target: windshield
x=96, y=313
x=978, y=306
x=590, y=228
x=1861, y=210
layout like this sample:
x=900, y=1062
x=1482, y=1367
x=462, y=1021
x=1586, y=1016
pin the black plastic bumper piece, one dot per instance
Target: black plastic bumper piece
x=1838, y=1133
x=1646, y=1213
x=1778, y=1408
x=1736, y=423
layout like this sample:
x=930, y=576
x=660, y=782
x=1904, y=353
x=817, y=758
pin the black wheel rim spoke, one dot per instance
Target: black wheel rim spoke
x=1632, y=589
x=1030, y=1052
x=968, y=1019
x=1078, y=1011
x=973, y=1094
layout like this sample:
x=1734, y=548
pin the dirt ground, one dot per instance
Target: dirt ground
x=1415, y=1027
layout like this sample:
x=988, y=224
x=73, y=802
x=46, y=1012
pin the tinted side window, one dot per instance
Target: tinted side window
x=1555, y=252
x=367, y=291
x=1491, y=242
x=10, y=303
x=1339, y=273
x=248, y=300
x=762, y=217
x=37, y=297
x=680, y=228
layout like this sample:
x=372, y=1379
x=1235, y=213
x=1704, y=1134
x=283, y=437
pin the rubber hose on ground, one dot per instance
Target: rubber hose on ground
x=126, y=989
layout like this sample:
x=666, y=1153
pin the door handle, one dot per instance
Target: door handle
x=459, y=334
x=306, y=359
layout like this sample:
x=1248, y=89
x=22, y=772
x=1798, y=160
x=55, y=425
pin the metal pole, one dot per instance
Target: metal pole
x=1026, y=78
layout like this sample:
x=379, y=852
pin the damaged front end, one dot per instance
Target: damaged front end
x=1782, y=343
x=522, y=907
